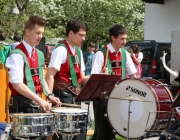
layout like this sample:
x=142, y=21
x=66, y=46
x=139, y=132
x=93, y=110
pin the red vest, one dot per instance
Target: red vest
x=63, y=74
x=36, y=80
x=114, y=57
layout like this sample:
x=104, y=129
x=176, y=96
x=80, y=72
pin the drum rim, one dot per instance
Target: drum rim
x=32, y=114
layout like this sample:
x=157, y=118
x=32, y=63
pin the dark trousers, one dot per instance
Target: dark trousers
x=21, y=107
x=67, y=97
x=103, y=131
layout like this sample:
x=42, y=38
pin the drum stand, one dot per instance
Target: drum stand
x=68, y=136
x=88, y=103
x=167, y=132
x=128, y=120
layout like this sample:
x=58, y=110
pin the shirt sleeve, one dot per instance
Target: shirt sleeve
x=58, y=57
x=98, y=62
x=140, y=56
x=130, y=68
x=82, y=62
x=15, y=64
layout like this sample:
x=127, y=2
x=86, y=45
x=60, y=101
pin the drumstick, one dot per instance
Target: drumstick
x=74, y=105
x=71, y=105
x=105, y=63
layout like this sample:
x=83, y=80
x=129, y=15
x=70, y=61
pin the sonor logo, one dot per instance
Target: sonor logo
x=137, y=91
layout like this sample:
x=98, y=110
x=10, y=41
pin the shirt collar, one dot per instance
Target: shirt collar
x=111, y=49
x=71, y=48
x=28, y=47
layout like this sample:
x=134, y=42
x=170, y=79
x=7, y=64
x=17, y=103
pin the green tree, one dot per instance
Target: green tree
x=98, y=15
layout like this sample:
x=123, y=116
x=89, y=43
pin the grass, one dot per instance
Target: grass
x=117, y=136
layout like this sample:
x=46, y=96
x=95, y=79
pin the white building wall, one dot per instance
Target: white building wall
x=161, y=20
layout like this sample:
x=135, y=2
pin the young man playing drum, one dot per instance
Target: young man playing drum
x=118, y=61
x=65, y=72
x=25, y=65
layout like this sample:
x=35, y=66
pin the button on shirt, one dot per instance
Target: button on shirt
x=59, y=56
x=98, y=62
x=15, y=62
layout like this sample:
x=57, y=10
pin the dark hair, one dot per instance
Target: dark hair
x=74, y=25
x=34, y=20
x=92, y=45
x=17, y=38
x=2, y=36
x=117, y=30
x=135, y=48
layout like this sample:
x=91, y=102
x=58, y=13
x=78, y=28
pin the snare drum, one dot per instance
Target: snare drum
x=70, y=119
x=144, y=114
x=32, y=124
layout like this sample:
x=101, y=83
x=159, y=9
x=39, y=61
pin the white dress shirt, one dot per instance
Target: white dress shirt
x=98, y=62
x=59, y=55
x=15, y=64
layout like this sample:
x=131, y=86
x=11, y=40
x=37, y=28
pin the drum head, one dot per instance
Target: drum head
x=117, y=110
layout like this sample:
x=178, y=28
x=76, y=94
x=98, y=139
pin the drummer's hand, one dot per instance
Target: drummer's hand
x=55, y=100
x=104, y=70
x=133, y=76
x=45, y=106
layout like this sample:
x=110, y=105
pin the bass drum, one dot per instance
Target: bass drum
x=143, y=114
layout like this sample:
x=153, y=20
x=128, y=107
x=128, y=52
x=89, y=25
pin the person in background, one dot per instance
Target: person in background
x=137, y=57
x=16, y=41
x=119, y=63
x=4, y=48
x=88, y=57
x=65, y=72
x=25, y=64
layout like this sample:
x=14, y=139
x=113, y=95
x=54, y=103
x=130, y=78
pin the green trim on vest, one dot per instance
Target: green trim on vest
x=72, y=70
x=123, y=52
x=28, y=75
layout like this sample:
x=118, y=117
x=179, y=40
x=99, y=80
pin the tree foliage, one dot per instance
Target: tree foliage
x=98, y=15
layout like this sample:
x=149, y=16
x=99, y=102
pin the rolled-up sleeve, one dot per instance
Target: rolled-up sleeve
x=58, y=57
x=82, y=62
x=15, y=64
x=98, y=62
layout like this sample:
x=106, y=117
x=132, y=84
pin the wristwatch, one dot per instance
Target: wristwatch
x=50, y=94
